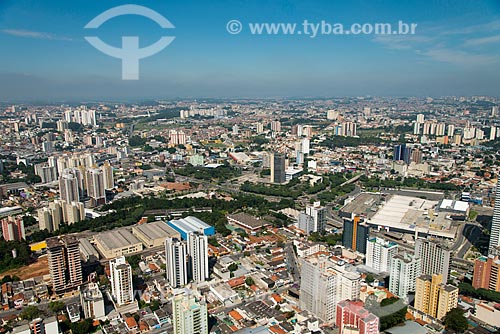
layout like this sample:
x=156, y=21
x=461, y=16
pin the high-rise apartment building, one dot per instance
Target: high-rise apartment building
x=107, y=172
x=189, y=314
x=487, y=273
x=355, y=234
x=434, y=298
x=379, y=254
x=323, y=284
x=13, y=229
x=317, y=222
x=495, y=225
x=435, y=257
x=176, y=262
x=65, y=265
x=405, y=269
x=278, y=168
x=198, y=256
x=71, y=185
x=352, y=316
x=92, y=302
x=95, y=186
x=121, y=281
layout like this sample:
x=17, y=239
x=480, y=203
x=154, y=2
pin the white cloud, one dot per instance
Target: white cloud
x=34, y=34
x=482, y=40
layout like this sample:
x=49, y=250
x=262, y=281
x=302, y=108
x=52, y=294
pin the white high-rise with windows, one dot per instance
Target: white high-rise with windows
x=121, y=281
x=405, y=269
x=71, y=185
x=318, y=214
x=198, y=256
x=379, y=254
x=95, y=186
x=323, y=284
x=495, y=225
x=176, y=262
x=435, y=258
x=189, y=313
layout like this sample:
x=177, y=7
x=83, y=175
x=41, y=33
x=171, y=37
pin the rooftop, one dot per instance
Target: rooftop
x=116, y=239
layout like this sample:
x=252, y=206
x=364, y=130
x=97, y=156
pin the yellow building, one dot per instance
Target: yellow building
x=434, y=298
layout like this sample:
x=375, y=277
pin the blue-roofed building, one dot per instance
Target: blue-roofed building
x=191, y=224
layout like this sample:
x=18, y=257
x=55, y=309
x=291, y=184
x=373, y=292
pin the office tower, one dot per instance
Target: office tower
x=95, y=186
x=306, y=145
x=181, y=137
x=107, y=171
x=353, y=317
x=434, y=298
x=323, y=284
x=493, y=133
x=198, y=256
x=71, y=185
x=236, y=129
x=487, y=273
x=349, y=129
x=420, y=118
x=64, y=263
x=13, y=229
x=494, y=111
x=48, y=147
x=318, y=215
x=121, y=281
x=405, y=269
x=379, y=254
x=174, y=139
x=176, y=262
x=189, y=314
x=277, y=168
x=402, y=153
x=355, y=234
x=92, y=302
x=495, y=225
x=435, y=257
x=276, y=126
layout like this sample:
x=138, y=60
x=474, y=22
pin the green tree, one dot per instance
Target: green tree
x=455, y=320
x=233, y=267
x=56, y=306
x=249, y=281
x=369, y=278
x=82, y=327
x=30, y=313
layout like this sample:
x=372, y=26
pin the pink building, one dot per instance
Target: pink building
x=352, y=317
x=13, y=229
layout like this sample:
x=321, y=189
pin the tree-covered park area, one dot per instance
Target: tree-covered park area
x=128, y=211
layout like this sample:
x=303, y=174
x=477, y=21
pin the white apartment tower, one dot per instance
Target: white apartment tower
x=198, y=256
x=379, y=254
x=495, y=225
x=323, y=284
x=121, y=281
x=176, y=262
x=405, y=269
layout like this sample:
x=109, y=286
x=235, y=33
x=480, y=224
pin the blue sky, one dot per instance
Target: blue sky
x=455, y=50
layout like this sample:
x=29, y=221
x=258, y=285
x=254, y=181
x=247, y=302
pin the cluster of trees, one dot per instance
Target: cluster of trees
x=455, y=320
x=467, y=290
x=331, y=239
x=270, y=190
x=409, y=182
x=137, y=141
x=129, y=210
x=224, y=172
x=7, y=260
x=393, y=319
x=163, y=114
